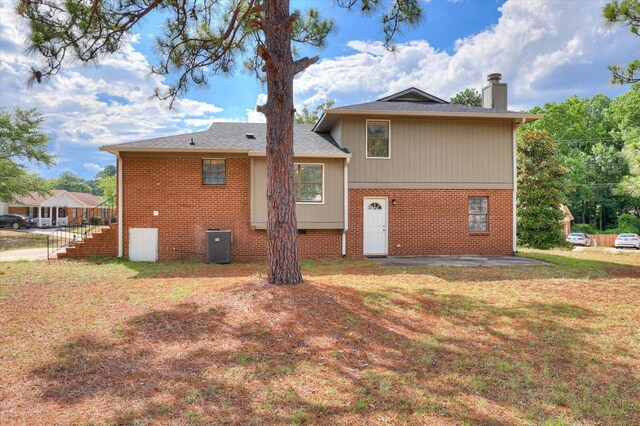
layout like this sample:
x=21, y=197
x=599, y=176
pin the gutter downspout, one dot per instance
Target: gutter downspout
x=346, y=206
x=515, y=183
x=120, y=209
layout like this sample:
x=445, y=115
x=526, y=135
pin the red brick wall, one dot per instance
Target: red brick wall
x=102, y=243
x=18, y=210
x=434, y=221
x=173, y=187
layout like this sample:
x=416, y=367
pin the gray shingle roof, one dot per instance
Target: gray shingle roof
x=232, y=137
x=411, y=106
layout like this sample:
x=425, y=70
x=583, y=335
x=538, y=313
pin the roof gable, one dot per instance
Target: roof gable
x=63, y=199
x=413, y=95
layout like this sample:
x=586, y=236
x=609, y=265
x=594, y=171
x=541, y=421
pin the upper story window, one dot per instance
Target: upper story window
x=213, y=172
x=308, y=183
x=478, y=214
x=378, y=141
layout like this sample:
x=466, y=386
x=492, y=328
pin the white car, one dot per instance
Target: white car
x=579, y=239
x=628, y=240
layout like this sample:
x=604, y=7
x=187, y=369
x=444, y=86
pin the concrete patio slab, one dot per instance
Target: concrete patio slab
x=23, y=254
x=419, y=261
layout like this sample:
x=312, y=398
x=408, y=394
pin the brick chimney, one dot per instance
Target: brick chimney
x=494, y=95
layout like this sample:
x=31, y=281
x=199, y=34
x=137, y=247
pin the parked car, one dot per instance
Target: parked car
x=628, y=240
x=16, y=221
x=579, y=239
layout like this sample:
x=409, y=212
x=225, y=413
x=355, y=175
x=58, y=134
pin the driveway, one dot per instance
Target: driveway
x=417, y=261
x=44, y=231
x=23, y=254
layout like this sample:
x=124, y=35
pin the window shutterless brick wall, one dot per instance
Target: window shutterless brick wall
x=434, y=221
x=187, y=208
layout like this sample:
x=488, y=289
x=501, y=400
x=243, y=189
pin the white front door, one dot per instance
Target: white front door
x=143, y=244
x=375, y=226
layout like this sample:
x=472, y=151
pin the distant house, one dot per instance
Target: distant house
x=408, y=174
x=59, y=207
x=566, y=221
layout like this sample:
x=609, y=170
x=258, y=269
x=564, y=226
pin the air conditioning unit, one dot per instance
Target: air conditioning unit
x=218, y=246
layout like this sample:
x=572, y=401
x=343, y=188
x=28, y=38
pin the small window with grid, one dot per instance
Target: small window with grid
x=308, y=183
x=478, y=214
x=213, y=172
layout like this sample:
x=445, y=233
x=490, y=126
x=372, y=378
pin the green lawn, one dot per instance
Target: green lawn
x=114, y=342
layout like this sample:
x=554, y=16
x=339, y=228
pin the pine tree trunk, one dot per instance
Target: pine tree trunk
x=282, y=227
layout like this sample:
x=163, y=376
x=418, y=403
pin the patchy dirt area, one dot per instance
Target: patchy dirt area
x=12, y=240
x=123, y=343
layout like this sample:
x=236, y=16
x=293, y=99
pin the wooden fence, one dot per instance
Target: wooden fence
x=603, y=240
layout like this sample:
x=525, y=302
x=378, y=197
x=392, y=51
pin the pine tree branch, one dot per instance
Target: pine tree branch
x=304, y=63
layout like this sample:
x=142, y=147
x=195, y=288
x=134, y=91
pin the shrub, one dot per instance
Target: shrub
x=95, y=220
x=628, y=223
x=541, y=190
x=584, y=227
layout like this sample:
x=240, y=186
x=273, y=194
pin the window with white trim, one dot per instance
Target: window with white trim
x=213, y=172
x=378, y=139
x=308, y=183
x=478, y=214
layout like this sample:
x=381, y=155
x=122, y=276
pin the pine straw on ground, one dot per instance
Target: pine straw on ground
x=123, y=343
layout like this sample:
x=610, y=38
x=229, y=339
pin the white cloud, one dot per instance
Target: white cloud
x=92, y=167
x=545, y=49
x=254, y=116
x=94, y=105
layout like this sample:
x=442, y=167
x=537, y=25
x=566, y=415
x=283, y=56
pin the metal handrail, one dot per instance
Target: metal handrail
x=77, y=230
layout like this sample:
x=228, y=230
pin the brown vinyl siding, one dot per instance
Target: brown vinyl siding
x=433, y=153
x=326, y=215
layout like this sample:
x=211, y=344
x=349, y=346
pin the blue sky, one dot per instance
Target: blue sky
x=546, y=50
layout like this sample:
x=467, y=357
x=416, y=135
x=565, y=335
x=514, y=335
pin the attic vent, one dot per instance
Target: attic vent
x=250, y=136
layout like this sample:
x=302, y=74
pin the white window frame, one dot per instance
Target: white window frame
x=316, y=203
x=366, y=140
x=202, y=172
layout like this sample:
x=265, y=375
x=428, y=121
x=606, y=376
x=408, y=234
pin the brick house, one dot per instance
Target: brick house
x=59, y=207
x=408, y=174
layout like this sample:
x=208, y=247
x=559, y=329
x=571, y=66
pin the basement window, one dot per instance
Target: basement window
x=213, y=172
x=478, y=214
